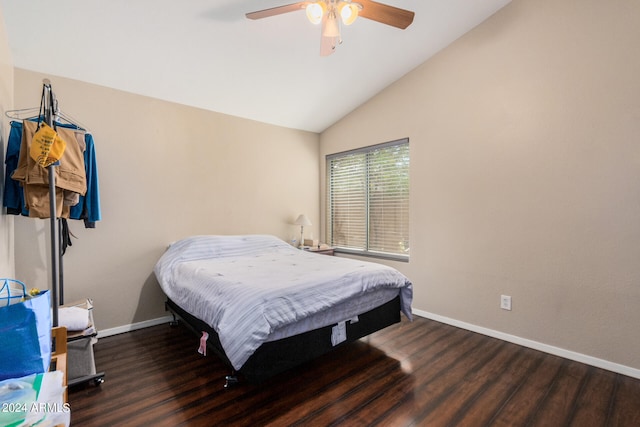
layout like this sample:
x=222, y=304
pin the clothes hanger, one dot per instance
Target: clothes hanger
x=61, y=115
x=34, y=112
x=18, y=114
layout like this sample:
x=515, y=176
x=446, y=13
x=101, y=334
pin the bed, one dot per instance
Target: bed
x=264, y=306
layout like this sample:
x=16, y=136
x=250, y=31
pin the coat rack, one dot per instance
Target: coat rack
x=81, y=362
x=49, y=113
x=49, y=101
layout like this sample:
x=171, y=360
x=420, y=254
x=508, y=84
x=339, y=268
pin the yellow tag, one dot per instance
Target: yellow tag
x=47, y=147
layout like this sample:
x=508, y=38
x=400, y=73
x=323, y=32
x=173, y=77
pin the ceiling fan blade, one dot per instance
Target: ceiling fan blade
x=277, y=10
x=390, y=15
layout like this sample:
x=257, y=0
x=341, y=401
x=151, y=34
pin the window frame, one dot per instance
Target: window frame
x=366, y=251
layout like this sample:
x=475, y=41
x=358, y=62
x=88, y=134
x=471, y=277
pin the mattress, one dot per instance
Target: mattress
x=255, y=288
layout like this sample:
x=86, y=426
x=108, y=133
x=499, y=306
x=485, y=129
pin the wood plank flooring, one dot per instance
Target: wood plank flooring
x=420, y=373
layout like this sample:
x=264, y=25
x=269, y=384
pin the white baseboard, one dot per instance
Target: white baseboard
x=133, y=326
x=567, y=354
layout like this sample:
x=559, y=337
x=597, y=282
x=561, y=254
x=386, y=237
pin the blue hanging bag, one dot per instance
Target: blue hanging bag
x=25, y=330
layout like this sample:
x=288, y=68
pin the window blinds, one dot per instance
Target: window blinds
x=368, y=199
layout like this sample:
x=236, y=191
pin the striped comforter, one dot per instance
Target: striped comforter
x=247, y=287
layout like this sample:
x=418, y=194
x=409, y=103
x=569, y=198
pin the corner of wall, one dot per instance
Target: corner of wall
x=7, y=259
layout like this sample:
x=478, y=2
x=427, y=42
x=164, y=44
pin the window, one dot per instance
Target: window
x=368, y=200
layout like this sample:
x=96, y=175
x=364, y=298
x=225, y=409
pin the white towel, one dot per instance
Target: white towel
x=74, y=318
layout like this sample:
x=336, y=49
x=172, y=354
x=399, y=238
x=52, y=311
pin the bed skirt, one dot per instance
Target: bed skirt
x=274, y=357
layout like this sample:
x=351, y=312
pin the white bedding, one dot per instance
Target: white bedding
x=251, y=288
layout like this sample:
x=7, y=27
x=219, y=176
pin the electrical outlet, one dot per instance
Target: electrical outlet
x=505, y=302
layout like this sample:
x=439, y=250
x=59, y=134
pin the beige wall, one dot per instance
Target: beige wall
x=7, y=268
x=525, y=174
x=166, y=171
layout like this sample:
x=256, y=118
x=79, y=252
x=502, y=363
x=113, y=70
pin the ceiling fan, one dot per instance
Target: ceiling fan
x=327, y=12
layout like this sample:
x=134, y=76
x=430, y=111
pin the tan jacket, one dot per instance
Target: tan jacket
x=70, y=174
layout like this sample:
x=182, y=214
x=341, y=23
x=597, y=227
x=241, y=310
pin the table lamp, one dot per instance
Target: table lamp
x=302, y=221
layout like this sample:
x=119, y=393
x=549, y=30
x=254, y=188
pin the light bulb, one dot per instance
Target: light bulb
x=348, y=12
x=315, y=12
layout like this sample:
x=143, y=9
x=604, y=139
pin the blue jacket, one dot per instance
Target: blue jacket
x=88, y=207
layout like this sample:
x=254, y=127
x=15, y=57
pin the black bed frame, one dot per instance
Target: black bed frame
x=275, y=357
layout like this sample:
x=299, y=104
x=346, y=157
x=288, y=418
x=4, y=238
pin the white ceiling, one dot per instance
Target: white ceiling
x=206, y=54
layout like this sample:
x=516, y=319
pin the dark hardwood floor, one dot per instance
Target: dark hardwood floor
x=422, y=373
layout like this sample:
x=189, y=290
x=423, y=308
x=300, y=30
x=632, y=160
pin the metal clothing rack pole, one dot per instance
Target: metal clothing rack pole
x=55, y=246
x=57, y=278
x=60, y=264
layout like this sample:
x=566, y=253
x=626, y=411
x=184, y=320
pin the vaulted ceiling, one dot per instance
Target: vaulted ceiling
x=207, y=54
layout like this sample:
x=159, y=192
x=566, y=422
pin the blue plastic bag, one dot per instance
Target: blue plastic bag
x=11, y=291
x=25, y=337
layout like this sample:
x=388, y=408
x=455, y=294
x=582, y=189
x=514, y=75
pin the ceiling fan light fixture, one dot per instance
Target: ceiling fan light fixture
x=332, y=26
x=326, y=12
x=315, y=11
x=348, y=12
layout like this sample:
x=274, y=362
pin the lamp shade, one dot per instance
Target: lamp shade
x=302, y=220
x=315, y=11
x=348, y=12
